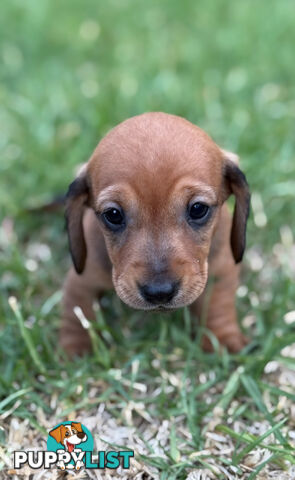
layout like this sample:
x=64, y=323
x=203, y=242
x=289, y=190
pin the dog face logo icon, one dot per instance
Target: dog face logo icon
x=69, y=435
x=70, y=440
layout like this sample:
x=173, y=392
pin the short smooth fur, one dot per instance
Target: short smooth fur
x=156, y=170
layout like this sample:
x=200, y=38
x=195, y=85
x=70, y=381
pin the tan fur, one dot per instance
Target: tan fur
x=152, y=166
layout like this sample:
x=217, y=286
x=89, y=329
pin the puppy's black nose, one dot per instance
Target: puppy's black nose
x=159, y=292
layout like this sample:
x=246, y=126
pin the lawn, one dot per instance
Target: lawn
x=69, y=72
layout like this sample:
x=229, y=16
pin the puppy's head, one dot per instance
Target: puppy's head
x=69, y=435
x=157, y=183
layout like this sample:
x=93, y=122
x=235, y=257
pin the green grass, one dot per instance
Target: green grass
x=70, y=71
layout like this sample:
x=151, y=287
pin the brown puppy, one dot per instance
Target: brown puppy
x=146, y=216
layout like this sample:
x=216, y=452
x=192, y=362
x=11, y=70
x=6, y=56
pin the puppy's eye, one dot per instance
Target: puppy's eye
x=198, y=212
x=114, y=218
x=67, y=433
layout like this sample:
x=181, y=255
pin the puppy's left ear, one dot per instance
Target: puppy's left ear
x=76, y=200
x=237, y=185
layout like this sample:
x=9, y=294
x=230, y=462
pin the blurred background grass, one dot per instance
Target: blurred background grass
x=71, y=70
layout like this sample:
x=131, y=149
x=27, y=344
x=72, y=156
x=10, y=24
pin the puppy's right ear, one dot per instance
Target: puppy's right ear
x=76, y=200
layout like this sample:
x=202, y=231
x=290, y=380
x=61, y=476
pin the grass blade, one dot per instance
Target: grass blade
x=259, y=440
x=174, y=452
x=261, y=466
x=13, y=396
x=230, y=388
x=26, y=335
x=100, y=351
x=252, y=389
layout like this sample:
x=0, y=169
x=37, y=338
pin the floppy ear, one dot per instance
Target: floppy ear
x=77, y=198
x=77, y=426
x=236, y=184
x=58, y=433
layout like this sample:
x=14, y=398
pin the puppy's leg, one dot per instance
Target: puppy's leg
x=217, y=303
x=217, y=307
x=73, y=337
x=82, y=290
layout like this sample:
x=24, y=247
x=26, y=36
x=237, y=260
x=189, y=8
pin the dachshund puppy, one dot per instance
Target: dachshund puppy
x=147, y=217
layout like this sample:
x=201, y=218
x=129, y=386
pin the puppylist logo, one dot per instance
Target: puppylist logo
x=70, y=446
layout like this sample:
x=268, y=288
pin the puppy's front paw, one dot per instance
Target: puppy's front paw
x=74, y=344
x=234, y=342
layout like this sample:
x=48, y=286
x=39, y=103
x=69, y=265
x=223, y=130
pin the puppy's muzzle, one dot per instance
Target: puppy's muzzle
x=159, y=292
